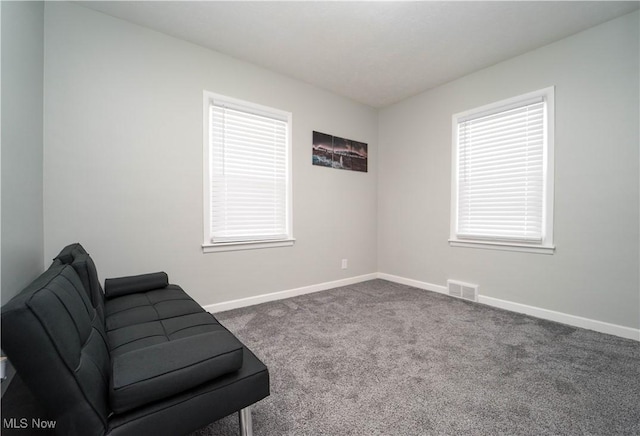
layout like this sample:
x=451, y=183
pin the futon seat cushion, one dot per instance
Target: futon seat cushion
x=153, y=305
x=132, y=337
x=197, y=407
x=158, y=371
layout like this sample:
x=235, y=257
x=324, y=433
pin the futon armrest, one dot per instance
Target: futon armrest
x=132, y=284
x=148, y=374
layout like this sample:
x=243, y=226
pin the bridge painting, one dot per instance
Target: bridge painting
x=335, y=152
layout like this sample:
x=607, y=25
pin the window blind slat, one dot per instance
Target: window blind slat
x=501, y=110
x=504, y=119
x=249, y=175
x=501, y=174
x=487, y=133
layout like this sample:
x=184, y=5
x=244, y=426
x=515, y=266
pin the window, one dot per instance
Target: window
x=502, y=187
x=247, y=175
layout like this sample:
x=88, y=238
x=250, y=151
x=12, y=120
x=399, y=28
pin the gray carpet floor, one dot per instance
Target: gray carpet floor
x=379, y=358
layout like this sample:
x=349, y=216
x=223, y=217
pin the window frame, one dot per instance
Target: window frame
x=208, y=246
x=546, y=245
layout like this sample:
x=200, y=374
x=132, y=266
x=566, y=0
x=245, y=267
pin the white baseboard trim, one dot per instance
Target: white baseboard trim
x=551, y=315
x=280, y=295
x=564, y=318
x=414, y=283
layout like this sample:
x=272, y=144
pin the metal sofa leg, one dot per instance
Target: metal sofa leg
x=246, y=424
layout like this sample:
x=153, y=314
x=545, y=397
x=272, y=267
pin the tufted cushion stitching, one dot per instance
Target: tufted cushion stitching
x=129, y=326
x=105, y=377
x=83, y=345
x=195, y=325
x=128, y=309
x=101, y=332
x=161, y=324
x=88, y=308
x=55, y=346
x=54, y=342
x=86, y=341
x=145, y=305
x=138, y=339
x=86, y=269
x=160, y=319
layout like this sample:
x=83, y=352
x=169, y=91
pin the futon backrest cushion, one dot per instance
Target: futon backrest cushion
x=76, y=256
x=67, y=253
x=54, y=338
x=86, y=270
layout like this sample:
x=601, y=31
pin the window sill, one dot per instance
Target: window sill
x=250, y=245
x=506, y=246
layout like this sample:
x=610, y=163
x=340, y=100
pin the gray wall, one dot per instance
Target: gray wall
x=123, y=153
x=594, y=272
x=21, y=235
x=123, y=173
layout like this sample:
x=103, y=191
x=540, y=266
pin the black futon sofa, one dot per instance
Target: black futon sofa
x=140, y=358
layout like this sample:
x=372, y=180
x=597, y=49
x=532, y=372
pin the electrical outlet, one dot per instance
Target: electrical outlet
x=345, y=263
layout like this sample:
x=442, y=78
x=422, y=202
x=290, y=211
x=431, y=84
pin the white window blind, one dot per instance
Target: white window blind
x=249, y=174
x=501, y=158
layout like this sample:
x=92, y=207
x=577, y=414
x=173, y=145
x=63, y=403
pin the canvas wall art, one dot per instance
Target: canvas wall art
x=335, y=152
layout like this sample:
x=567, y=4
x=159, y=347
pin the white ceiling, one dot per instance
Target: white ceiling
x=377, y=53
